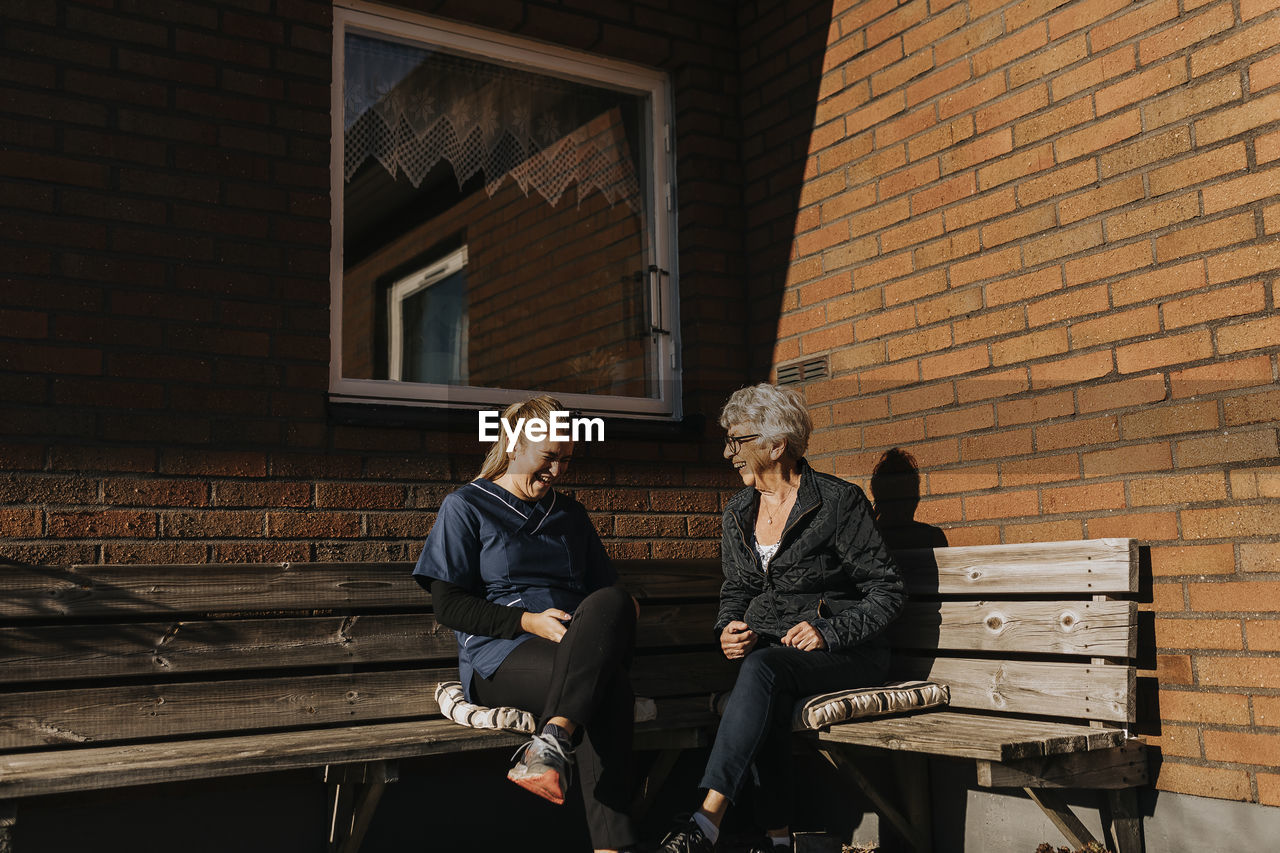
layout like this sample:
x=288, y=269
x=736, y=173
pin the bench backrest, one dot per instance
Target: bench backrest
x=103, y=654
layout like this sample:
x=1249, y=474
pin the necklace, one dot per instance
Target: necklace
x=778, y=507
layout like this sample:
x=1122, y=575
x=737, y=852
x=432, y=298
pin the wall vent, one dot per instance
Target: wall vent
x=802, y=371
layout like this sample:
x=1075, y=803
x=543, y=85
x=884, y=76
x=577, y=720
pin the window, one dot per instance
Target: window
x=501, y=222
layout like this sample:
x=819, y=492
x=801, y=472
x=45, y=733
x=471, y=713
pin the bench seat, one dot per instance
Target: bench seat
x=681, y=724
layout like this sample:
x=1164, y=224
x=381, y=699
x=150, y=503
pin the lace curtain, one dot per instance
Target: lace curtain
x=409, y=107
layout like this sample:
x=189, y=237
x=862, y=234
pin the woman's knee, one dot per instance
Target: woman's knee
x=612, y=602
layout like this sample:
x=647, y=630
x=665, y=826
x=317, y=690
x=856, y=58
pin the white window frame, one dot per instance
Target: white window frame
x=410, y=285
x=496, y=47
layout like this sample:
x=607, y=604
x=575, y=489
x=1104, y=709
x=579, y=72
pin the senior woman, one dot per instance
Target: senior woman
x=809, y=588
x=518, y=571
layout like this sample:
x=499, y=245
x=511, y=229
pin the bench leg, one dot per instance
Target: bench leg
x=1125, y=820
x=913, y=782
x=1053, y=804
x=917, y=839
x=354, y=791
x=8, y=817
x=663, y=764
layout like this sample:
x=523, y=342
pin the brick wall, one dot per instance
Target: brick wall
x=1037, y=242
x=164, y=314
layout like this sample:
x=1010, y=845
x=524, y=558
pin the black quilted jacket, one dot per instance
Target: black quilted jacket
x=832, y=568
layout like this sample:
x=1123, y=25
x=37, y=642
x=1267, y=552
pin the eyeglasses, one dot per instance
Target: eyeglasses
x=734, y=442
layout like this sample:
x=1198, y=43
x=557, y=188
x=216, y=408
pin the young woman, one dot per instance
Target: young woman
x=518, y=571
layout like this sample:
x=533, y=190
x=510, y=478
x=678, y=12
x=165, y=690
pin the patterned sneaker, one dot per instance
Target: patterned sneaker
x=544, y=768
x=686, y=838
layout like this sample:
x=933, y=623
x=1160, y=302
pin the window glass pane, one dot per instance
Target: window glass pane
x=539, y=182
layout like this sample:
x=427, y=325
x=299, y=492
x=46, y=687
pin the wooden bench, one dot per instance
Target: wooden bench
x=138, y=674
x=127, y=675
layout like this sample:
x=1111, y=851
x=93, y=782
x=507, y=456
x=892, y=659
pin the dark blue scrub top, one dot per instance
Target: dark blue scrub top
x=532, y=556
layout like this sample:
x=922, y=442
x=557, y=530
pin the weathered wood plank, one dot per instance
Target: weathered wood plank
x=33, y=593
x=1036, y=568
x=1055, y=807
x=679, y=725
x=184, y=709
x=1092, y=628
x=959, y=735
x=1075, y=690
x=181, y=647
x=1122, y=767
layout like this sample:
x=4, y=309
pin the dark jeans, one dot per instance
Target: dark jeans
x=584, y=678
x=754, y=740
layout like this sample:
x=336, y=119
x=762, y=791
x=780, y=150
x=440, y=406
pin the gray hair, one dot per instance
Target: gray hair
x=772, y=412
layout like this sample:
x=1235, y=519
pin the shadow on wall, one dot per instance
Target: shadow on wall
x=895, y=493
x=784, y=47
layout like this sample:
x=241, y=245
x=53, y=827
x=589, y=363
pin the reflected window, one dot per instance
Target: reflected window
x=501, y=222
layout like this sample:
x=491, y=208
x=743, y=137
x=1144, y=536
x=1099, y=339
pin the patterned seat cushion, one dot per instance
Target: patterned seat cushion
x=827, y=709
x=454, y=705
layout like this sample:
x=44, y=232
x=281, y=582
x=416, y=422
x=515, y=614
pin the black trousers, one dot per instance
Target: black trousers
x=584, y=677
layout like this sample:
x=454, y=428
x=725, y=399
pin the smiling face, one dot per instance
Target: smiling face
x=534, y=466
x=752, y=457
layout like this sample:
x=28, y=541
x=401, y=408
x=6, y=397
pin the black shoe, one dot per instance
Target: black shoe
x=686, y=838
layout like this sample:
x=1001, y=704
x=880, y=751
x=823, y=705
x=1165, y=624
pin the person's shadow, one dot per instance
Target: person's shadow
x=895, y=494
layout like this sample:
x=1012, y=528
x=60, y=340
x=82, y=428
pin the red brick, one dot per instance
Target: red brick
x=972, y=478
x=1173, y=669
x=1255, y=334
x=1245, y=41
x=1230, y=523
x=987, y=206
x=212, y=524
x=898, y=432
x=1072, y=114
x=1230, y=122
x=1225, y=302
x=1061, y=243
x=1064, y=530
x=1079, y=433
x=1251, y=483
x=943, y=192
x=948, y=249
x=1106, y=67
x=1203, y=781
x=874, y=113
x=955, y=362
x=1171, y=561
x=140, y=492
x=1036, y=345
x=1227, y=447
x=1040, y=469
x=1264, y=636
x=943, y=80
x=1105, y=197
x=1171, y=420
x=1153, y=217
x=1267, y=147
x=989, y=325
x=1199, y=707
x=1144, y=18
x=1251, y=408
x=1192, y=100
x=1005, y=504
x=1177, y=349
x=1259, y=184
x=913, y=233
x=967, y=40
x=1108, y=263
x=1003, y=384
x=988, y=265
x=164, y=553
x=1128, y=460
x=1080, y=15
x=1153, y=526
x=1077, y=302
x=1088, y=498
x=996, y=445
x=112, y=523
x=1117, y=326
x=1005, y=50
x=1242, y=747
x=1019, y=226
x=1160, y=282
x=318, y=525
x=1187, y=31
x=919, y=342
x=1016, y=166
x=1264, y=74
x=960, y=420
x=1036, y=409
x=1143, y=152
x=1176, y=740
x=1198, y=169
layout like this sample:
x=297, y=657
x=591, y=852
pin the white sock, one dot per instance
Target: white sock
x=709, y=829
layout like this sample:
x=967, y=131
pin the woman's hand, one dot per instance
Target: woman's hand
x=549, y=623
x=804, y=637
x=737, y=639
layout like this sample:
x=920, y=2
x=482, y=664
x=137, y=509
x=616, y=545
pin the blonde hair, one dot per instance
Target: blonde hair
x=495, y=461
x=773, y=412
